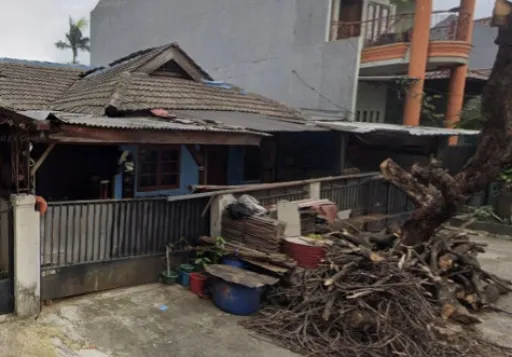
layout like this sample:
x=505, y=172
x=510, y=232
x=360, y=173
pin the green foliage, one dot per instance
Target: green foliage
x=471, y=116
x=506, y=177
x=429, y=113
x=211, y=256
x=75, y=40
x=486, y=214
x=429, y=110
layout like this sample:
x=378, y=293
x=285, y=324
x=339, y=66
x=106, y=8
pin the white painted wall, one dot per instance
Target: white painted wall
x=372, y=100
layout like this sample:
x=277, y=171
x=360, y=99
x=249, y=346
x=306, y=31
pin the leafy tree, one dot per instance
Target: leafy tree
x=75, y=39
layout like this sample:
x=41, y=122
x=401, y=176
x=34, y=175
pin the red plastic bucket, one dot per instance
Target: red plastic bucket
x=306, y=255
x=197, y=283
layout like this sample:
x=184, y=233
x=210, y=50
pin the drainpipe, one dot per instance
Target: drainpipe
x=458, y=77
x=418, y=62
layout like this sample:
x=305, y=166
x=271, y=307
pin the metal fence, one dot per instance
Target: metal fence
x=78, y=232
x=348, y=193
x=389, y=29
x=270, y=196
x=368, y=195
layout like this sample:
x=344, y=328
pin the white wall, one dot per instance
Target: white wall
x=255, y=44
x=371, y=98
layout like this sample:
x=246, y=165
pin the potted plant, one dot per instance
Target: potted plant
x=203, y=259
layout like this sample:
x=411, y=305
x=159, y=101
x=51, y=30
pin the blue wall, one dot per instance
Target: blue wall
x=189, y=174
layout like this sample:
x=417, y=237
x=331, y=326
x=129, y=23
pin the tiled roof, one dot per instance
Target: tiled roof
x=26, y=85
x=479, y=74
x=138, y=82
x=122, y=87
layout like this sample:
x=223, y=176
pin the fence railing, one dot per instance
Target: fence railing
x=76, y=232
x=351, y=193
x=398, y=28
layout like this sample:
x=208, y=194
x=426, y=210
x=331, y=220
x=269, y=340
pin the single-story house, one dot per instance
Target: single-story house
x=151, y=123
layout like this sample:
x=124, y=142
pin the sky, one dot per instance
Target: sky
x=30, y=28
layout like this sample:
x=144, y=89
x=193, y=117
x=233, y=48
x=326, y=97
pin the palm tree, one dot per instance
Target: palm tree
x=75, y=39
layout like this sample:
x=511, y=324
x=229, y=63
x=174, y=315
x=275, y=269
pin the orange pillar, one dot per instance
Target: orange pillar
x=458, y=78
x=418, y=62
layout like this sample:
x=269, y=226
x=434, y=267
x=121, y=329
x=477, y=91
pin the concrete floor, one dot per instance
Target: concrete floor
x=129, y=323
x=498, y=260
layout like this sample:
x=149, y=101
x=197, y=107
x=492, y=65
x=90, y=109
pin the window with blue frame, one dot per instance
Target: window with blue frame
x=159, y=168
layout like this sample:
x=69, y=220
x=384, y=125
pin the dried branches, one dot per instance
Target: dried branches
x=354, y=305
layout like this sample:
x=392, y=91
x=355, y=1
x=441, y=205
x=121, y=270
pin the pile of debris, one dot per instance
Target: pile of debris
x=374, y=297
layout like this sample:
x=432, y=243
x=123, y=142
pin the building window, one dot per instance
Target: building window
x=378, y=19
x=159, y=168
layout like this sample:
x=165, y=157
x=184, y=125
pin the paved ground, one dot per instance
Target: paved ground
x=129, y=323
x=498, y=260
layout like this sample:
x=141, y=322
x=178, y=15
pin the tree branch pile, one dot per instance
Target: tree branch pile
x=372, y=298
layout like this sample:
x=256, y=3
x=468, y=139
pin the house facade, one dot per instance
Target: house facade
x=149, y=124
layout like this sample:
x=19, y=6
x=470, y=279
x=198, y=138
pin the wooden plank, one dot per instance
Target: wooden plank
x=42, y=158
x=88, y=135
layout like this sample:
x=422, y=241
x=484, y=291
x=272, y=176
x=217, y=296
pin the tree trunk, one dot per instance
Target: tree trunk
x=436, y=193
x=75, y=55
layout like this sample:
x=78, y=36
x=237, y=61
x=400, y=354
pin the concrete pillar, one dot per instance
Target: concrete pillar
x=314, y=190
x=27, y=256
x=218, y=206
x=457, y=85
x=418, y=62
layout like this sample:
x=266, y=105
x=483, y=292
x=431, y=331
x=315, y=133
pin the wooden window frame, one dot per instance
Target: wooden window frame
x=160, y=150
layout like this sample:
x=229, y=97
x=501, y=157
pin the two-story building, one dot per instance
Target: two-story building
x=308, y=54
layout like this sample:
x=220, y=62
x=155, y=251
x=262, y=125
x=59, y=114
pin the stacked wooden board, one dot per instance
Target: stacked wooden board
x=261, y=233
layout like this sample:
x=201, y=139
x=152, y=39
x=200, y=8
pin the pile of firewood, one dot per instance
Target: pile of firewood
x=374, y=297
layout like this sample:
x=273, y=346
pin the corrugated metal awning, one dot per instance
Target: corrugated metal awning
x=139, y=123
x=365, y=128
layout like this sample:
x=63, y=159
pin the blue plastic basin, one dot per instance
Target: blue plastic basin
x=236, y=299
x=233, y=262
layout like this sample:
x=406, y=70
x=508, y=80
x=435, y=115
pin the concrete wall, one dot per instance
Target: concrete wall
x=256, y=44
x=484, y=49
x=372, y=99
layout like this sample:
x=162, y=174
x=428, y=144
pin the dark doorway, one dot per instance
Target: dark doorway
x=217, y=165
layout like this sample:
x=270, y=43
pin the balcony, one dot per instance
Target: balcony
x=386, y=42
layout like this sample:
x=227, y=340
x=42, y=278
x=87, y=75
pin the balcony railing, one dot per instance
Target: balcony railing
x=398, y=28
